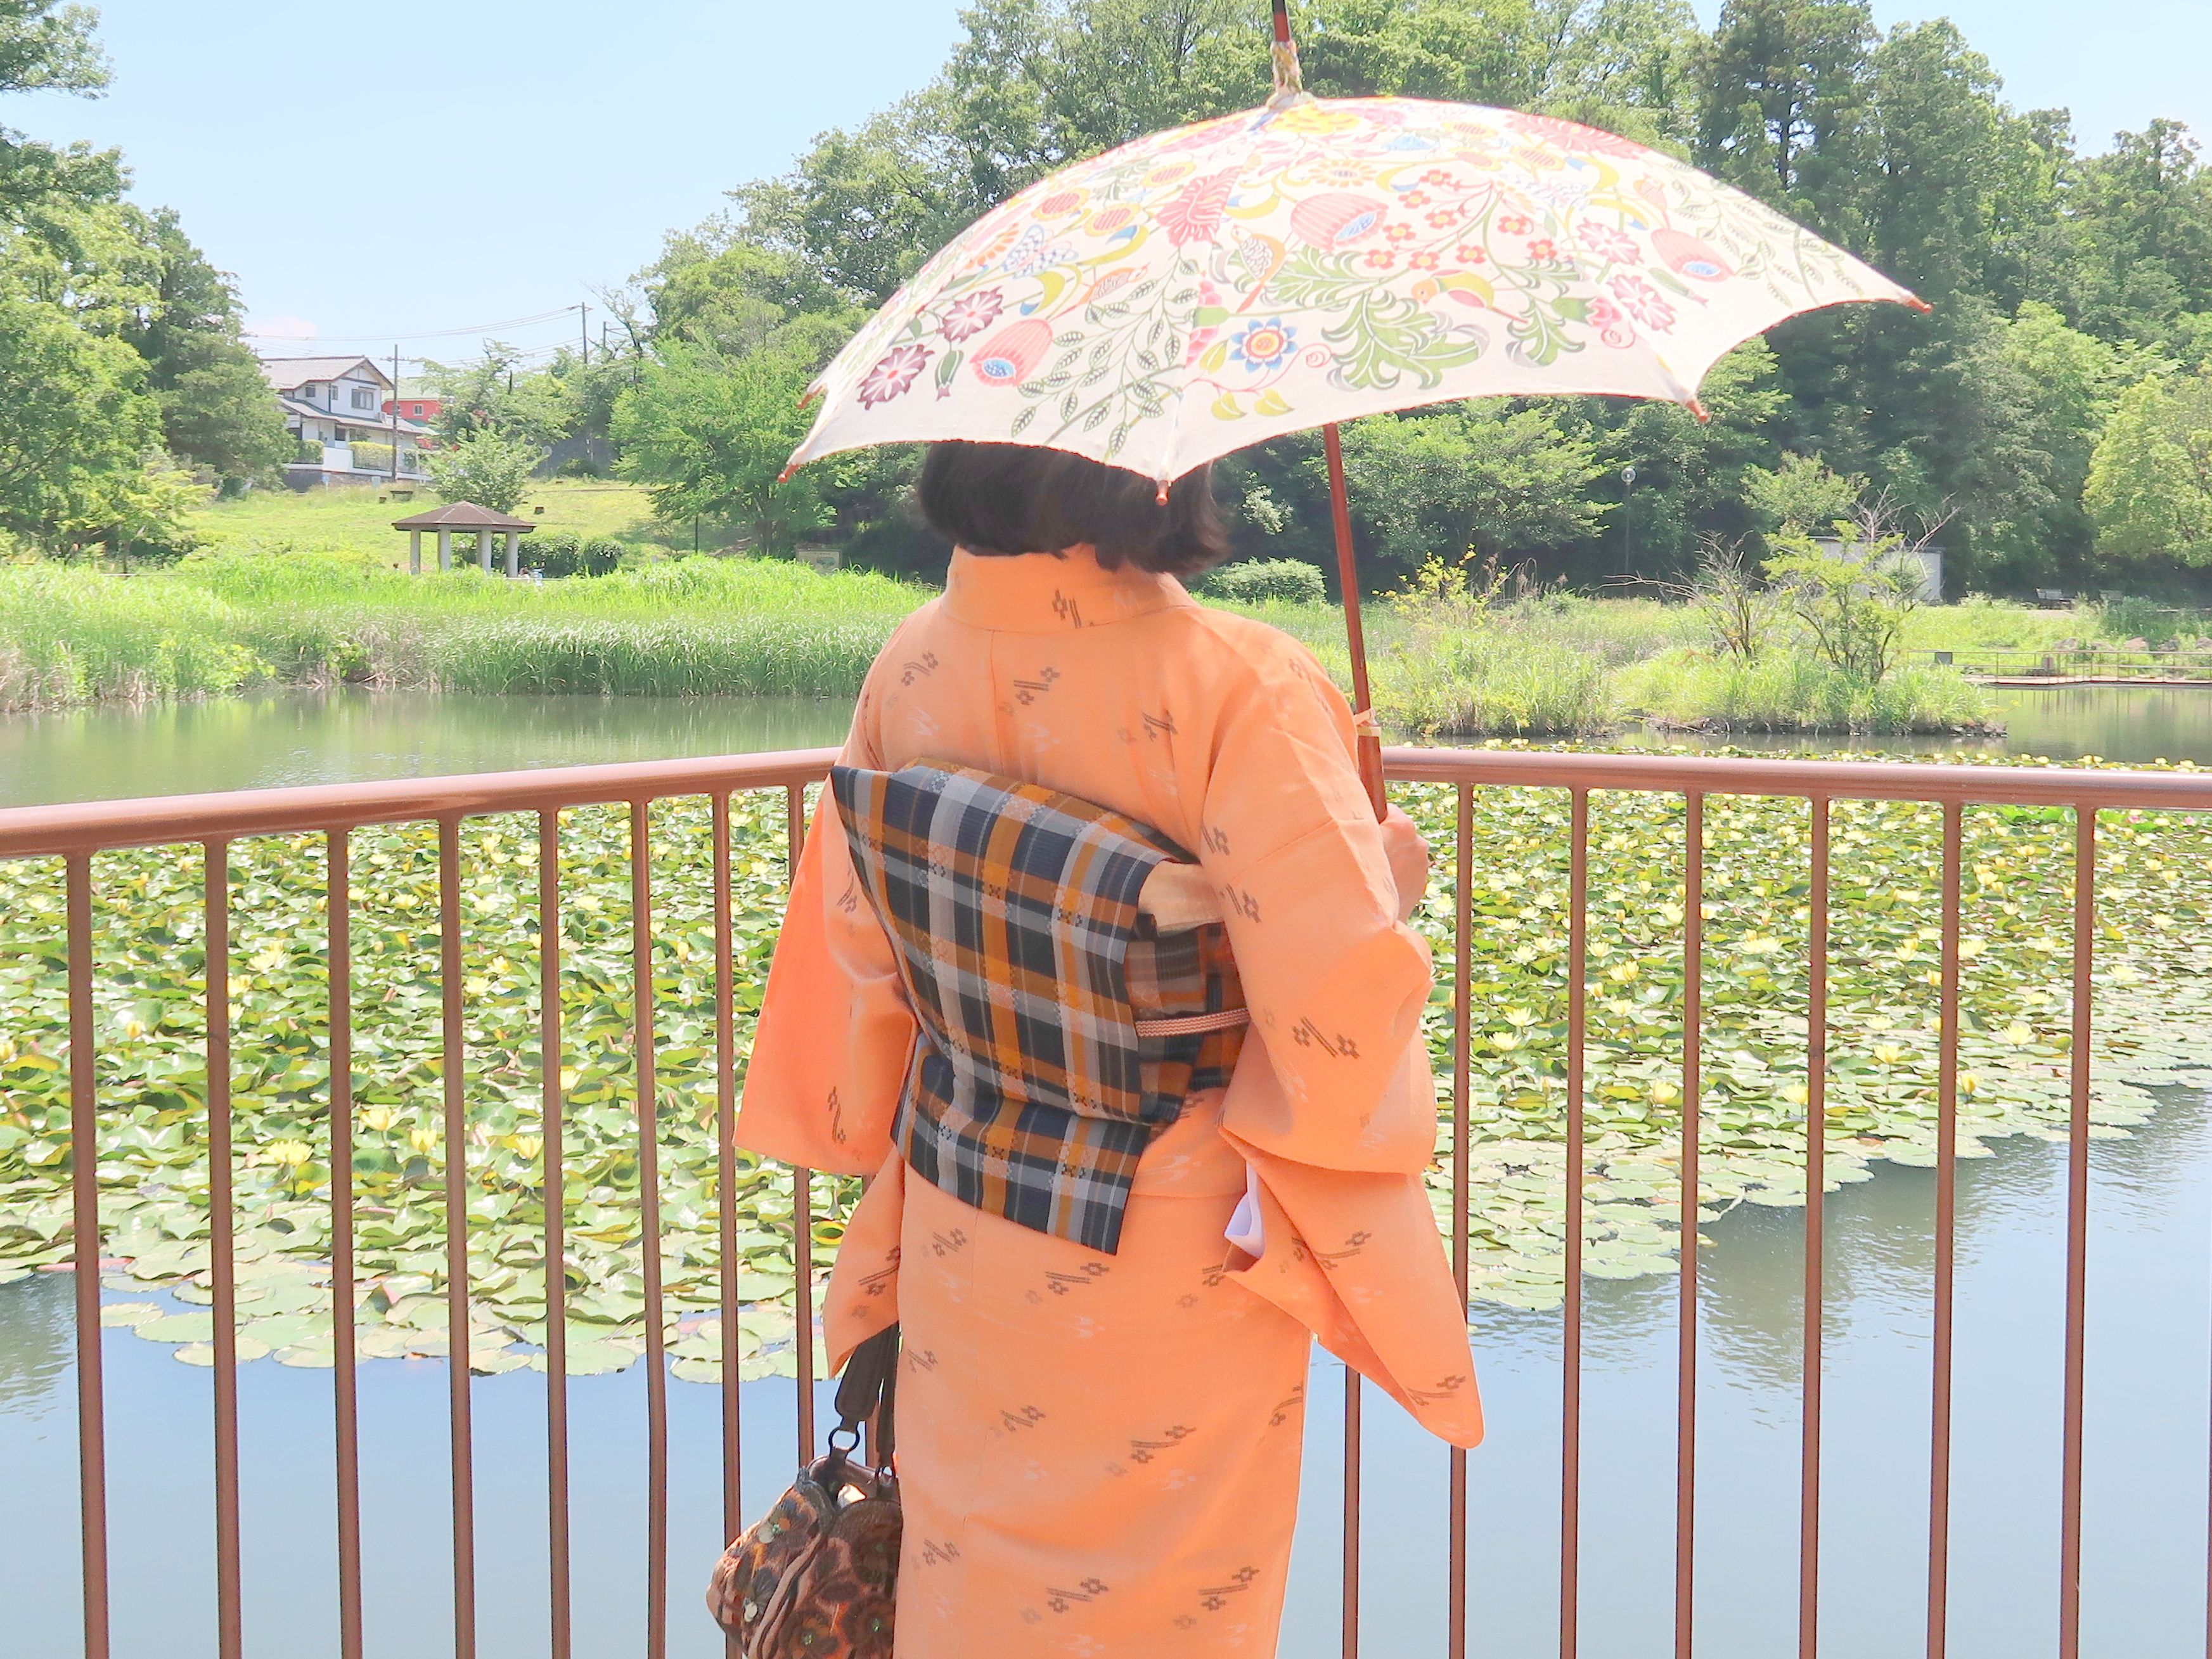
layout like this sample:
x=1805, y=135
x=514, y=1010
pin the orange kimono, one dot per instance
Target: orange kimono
x=1099, y=1454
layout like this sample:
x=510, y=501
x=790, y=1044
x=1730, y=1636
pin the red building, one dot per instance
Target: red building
x=414, y=408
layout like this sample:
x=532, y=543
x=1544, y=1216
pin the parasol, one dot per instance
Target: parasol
x=1314, y=260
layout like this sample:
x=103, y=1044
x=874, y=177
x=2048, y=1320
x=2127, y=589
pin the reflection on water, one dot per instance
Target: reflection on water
x=2145, y=1488
x=347, y=737
x=2116, y=723
x=350, y=736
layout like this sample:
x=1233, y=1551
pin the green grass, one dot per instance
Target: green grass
x=240, y=615
x=1790, y=691
x=218, y=623
x=353, y=520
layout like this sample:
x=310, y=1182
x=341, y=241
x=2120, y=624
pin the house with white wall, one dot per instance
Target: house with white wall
x=333, y=404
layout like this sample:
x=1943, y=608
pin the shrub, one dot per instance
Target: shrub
x=564, y=553
x=1794, y=691
x=1494, y=682
x=1261, y=581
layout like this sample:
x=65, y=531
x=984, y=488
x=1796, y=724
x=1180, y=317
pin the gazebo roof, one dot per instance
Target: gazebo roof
x=462, y=515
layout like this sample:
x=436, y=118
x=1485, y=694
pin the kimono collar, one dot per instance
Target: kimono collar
x=1045, y=593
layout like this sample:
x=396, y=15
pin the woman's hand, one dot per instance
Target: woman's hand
x=1409, y=861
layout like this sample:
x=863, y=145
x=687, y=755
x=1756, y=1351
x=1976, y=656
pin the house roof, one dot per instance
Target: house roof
x=285, y=373
x=462, y=515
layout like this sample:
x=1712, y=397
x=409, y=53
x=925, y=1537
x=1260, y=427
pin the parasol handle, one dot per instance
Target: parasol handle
x=1368, y=740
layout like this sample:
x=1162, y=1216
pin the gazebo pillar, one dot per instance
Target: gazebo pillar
x=445, y=549
x=483, y=551
x=414, y=552
x=513, y=554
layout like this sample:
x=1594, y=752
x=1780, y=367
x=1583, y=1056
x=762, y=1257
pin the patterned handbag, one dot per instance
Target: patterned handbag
x=816, y=1577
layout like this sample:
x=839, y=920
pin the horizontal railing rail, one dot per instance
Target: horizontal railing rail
x=75, y=833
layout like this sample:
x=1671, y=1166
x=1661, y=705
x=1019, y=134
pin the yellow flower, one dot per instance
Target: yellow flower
x=1520, y=1019
x=2019, y=1034
x=1889, y=1052
x=1621, y=972
x=1665, y=1093
x=422, y=1141
x=378, y=1118
x=290, y=1153
x=1760, y=945
x=1797, y=1094
x=1969, y=1083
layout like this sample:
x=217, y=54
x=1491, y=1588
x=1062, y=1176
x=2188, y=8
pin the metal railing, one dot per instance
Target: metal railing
x=75, y=833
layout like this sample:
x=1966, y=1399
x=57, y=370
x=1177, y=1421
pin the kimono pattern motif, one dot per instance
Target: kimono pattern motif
x=1099, y=1452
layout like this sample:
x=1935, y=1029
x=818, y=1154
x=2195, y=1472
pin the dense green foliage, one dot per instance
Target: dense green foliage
x=120, y=359
x=2153, y=990
x=2061, y=275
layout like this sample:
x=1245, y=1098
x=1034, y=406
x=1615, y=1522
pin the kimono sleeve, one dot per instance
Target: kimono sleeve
x=831, y=1050
x=1336, y=982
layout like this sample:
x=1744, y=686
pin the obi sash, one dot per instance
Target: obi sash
x=1060, y=1030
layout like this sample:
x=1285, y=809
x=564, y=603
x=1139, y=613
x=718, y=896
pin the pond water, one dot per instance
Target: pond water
x=2144, y=1572
x=353, y=736
x=2148, y=1373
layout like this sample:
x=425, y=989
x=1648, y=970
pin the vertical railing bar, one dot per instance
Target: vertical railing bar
x=552, y=1114
x=2077, y=1235
x=337, y=906
x=1570, y=1386
x=1816, y=1182
x=1350, y=1604
x=454, y=1051
x=1947, y=1212
x=85, y=1241
x=222, y=1266
x=649, y=1190
x=725, y=1131
x=1686, y=1421
x=1462, y=1052
x=802, y=1184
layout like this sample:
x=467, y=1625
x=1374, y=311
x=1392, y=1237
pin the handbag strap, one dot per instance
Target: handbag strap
x=865, y=1396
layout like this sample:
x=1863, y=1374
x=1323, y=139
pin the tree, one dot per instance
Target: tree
x=216, y=412
x=1803, y=495
x=74, y=428
x=1784, y=103
x=2150, y=481
x=1854, y=599
x=487, y=467
x=496, y=394
x=44, y=47
x=1476, y=477
x=710, y=435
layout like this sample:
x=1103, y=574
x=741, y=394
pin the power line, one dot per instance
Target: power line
x=434, y=334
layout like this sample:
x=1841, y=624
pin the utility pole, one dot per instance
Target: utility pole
x=395, y=414
x=584, y=334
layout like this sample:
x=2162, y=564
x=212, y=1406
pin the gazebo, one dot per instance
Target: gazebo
x=469, y=519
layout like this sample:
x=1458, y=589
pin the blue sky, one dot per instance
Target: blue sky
x=477, y=160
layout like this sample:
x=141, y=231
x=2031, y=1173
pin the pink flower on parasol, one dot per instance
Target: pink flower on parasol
x=1644, y=302
x=1611, y=327
x=1604, y=242
x=971, y=313
x=897, y=370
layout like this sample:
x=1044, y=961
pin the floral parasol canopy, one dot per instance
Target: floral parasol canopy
x=1317, y=259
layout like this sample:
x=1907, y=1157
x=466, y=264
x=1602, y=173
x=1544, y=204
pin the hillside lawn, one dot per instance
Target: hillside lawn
x=356, y=519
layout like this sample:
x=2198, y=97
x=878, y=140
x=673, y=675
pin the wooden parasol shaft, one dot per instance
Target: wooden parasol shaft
x=1347, y=574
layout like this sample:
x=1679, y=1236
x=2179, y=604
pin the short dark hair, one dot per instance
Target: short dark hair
x=1002, y=500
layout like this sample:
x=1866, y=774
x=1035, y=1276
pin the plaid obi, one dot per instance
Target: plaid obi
x=1060, y=1031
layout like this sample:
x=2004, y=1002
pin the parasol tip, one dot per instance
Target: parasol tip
x=1290, y=82
x=1918, y=303
x=784, y=477
x=1705, y=415
x=1161, y=498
